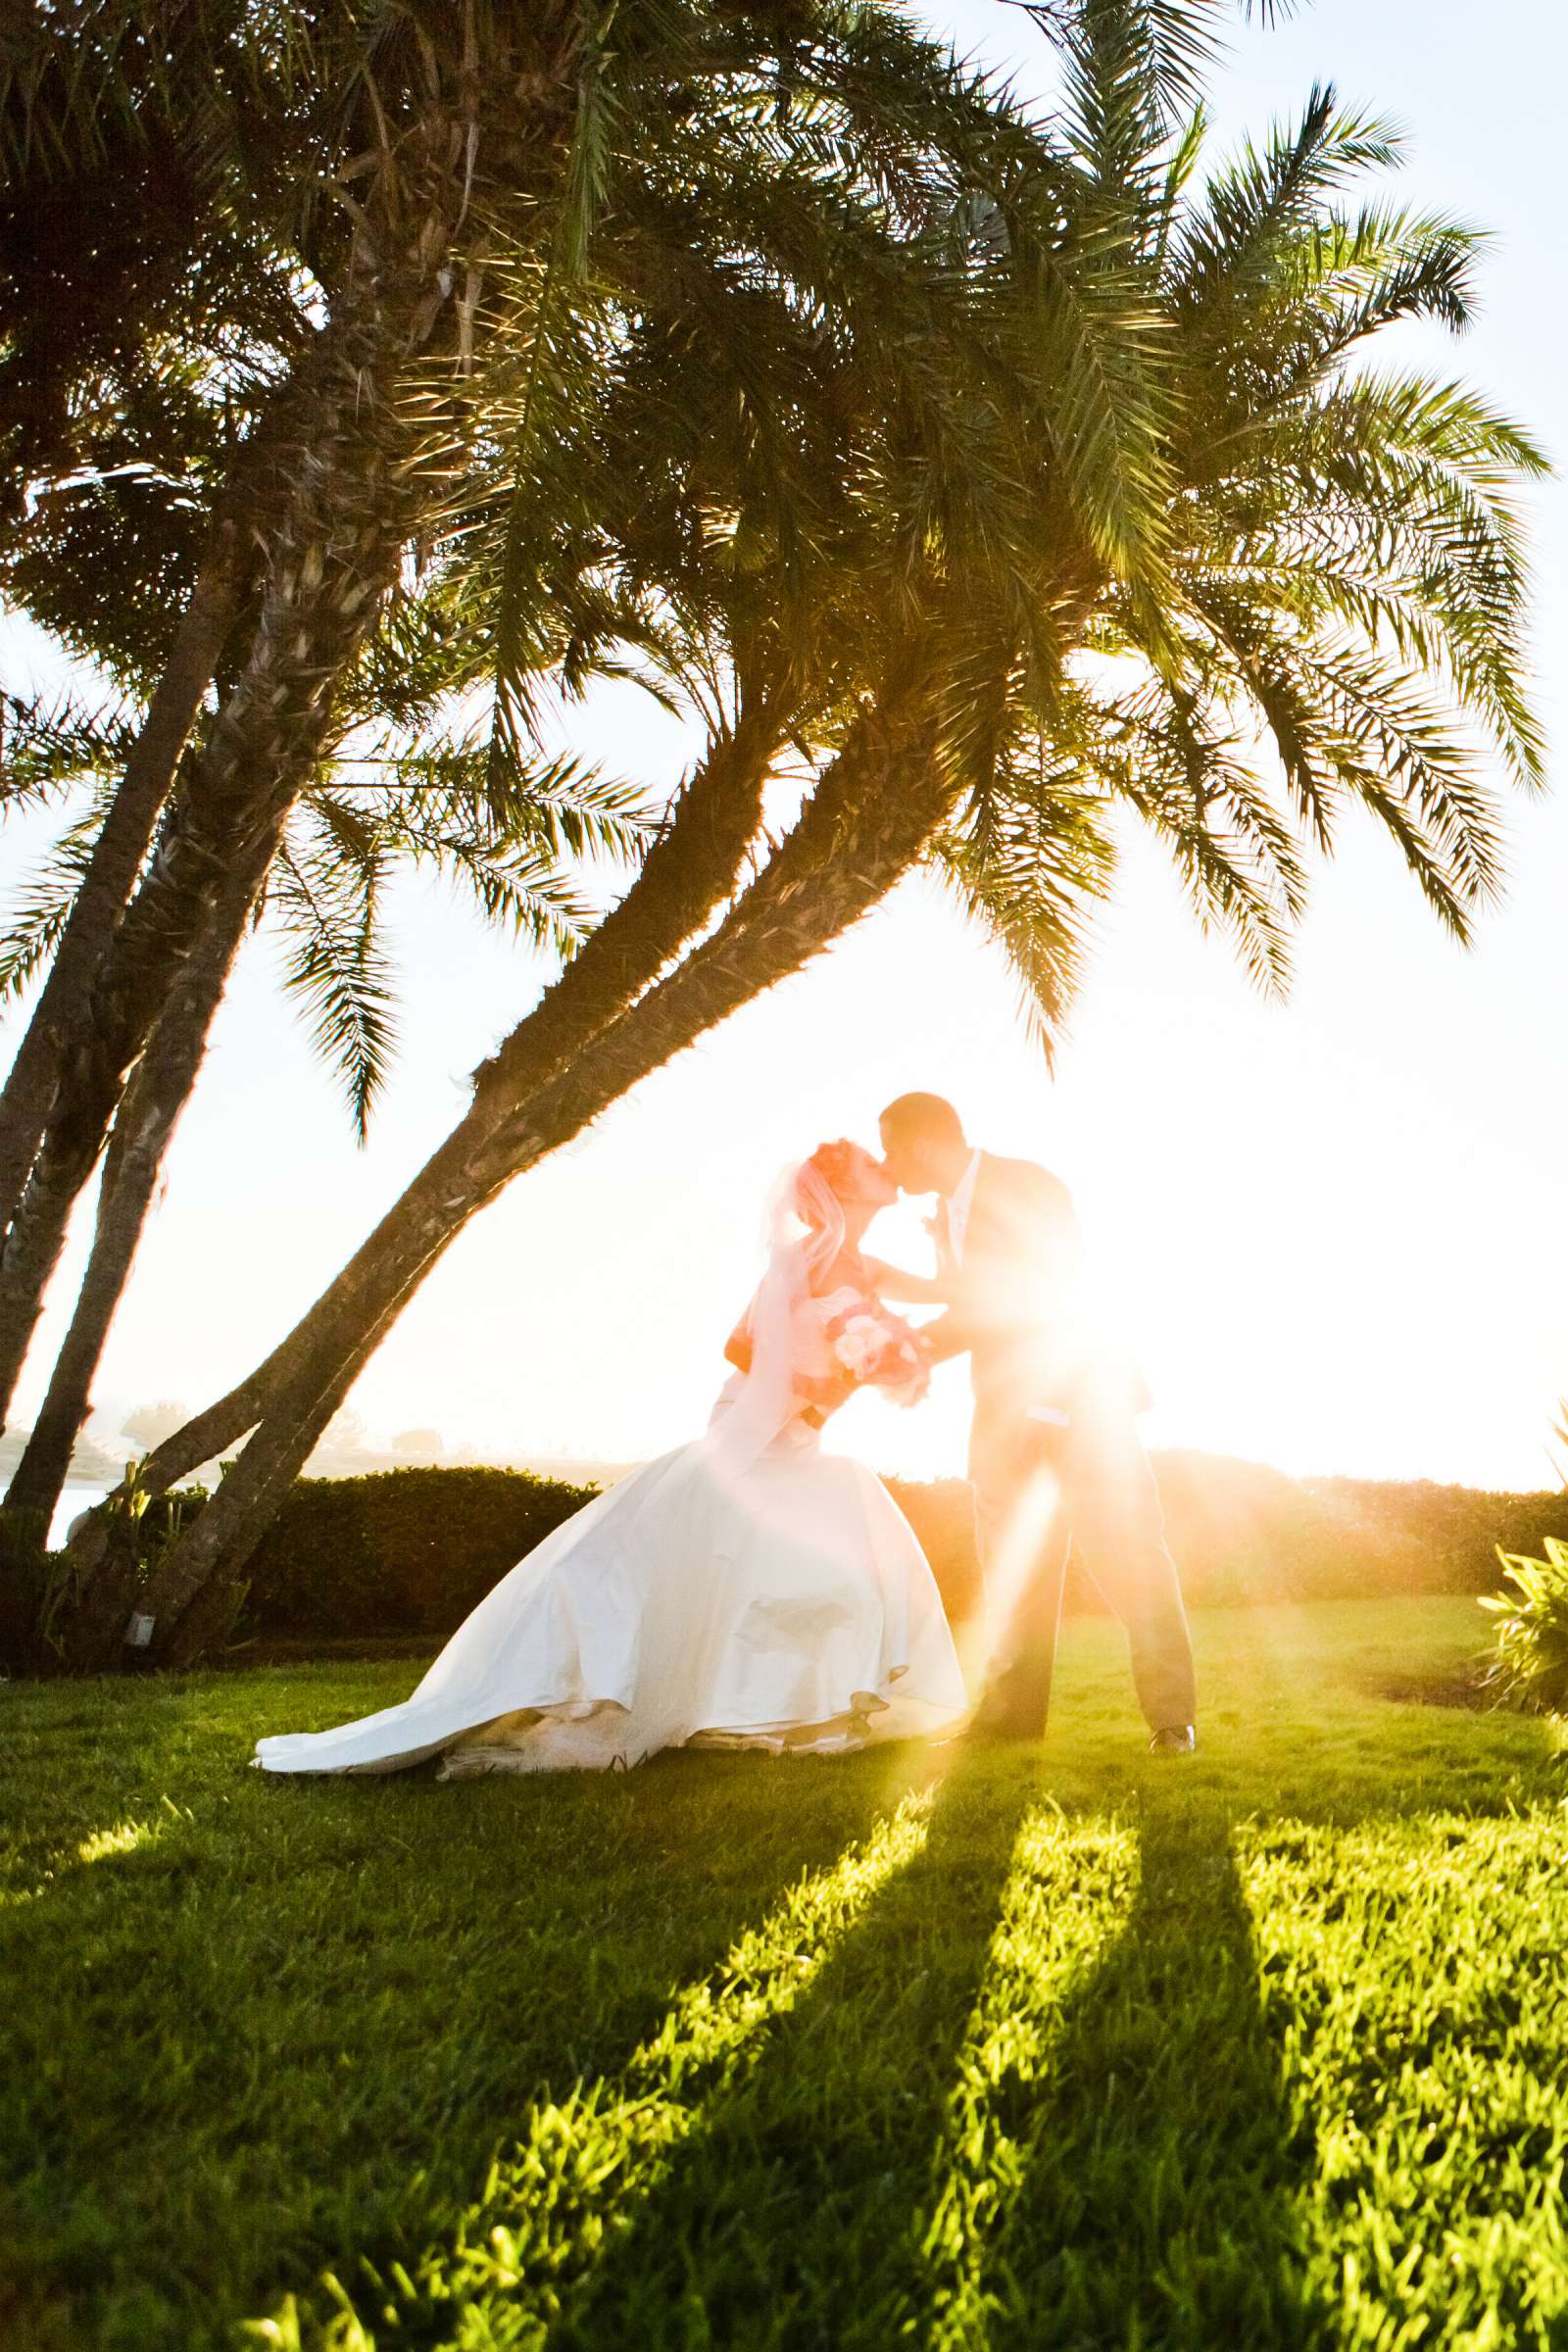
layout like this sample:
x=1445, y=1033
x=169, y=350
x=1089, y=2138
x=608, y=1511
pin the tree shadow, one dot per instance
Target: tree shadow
x=994, y=2119
x=334, y=2000
x=1028, y=2088
x=772, y=2221
x=1149, y=2167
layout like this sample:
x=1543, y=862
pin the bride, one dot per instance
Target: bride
x=749, y=1591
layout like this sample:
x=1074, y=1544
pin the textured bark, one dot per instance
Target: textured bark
x=335, y=424
x=37, y=1237
x=32, y=1083
x=362, y=475
x=128, y=1182
x=691, y=869
x=687, y=875
x=249, y=504
x=145, y=1122
x=866, y=825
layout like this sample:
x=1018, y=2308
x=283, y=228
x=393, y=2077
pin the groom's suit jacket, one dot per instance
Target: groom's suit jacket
x=1053, y=1393
x=1015, y=1290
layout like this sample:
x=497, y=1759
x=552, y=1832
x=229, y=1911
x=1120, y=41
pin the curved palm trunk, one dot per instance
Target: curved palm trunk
x=34, y=1243
x=144, y=978
x=363, y=475
x=690, y=871
x=32, y=1082
x=145, y=1122
x=344, y=480
x=245, y=513
x=867, y=822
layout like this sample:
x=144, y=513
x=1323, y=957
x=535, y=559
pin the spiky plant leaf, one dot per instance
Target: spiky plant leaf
x=50, y=746
x=37, y=910
x=325, y=907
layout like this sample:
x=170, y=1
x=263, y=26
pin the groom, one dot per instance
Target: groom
x=1055, y=1453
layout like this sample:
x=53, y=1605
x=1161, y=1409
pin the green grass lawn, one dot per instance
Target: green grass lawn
x=1071, y=2046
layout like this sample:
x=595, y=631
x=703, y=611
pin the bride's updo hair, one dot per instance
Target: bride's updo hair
x=852, y=1174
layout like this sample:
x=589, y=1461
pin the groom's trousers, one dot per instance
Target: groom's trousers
x=1043, y=1490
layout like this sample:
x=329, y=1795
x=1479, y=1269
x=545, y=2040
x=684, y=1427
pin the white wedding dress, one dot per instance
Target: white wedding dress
x=749, y=1591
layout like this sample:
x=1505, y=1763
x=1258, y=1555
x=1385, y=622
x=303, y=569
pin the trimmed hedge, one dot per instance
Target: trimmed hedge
x=400, y=1551
x=410, y=1552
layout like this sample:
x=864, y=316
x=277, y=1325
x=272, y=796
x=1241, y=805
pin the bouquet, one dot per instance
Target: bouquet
x=875, y=1348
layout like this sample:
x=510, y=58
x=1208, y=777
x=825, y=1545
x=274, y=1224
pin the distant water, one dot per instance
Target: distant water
x=79, y=1495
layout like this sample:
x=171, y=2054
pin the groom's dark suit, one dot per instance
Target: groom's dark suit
x=1054, y=1454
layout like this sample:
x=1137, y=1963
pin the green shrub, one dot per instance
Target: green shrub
x=410, y=1552
x=401, y=1551
x=1447, y=1537
x=1528, y=1666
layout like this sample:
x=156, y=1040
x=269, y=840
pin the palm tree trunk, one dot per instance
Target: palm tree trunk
x=33, y=1079
x=688, y=873
x=690, y=870
x=867, y=822
x=144, y=1124
x=33, y=1246
x=249, y=504
x=363, y=475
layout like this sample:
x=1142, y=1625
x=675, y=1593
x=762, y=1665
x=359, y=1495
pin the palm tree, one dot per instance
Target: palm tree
x=573, y=623
x=473, y=193
x=159, y=312
x=1182, y=552
x=510, y=842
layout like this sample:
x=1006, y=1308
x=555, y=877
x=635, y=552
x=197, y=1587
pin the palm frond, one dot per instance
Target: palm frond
x=1266, y=199
x=325, y=906
x=39, y=911
x=514, y=889
x=1171, y=45
x=560, y=808
x=50, y=748
x=1029, y=861
x=1405, y=761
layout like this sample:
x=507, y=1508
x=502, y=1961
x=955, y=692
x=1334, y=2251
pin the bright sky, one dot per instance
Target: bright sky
x=1335, y=1230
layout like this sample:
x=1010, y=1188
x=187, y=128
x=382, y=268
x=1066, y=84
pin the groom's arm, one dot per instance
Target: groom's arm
x=952, y=1334
x=1029, y=1286
x=897, y=1282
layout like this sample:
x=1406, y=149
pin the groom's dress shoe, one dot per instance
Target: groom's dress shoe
x=1174, y=1739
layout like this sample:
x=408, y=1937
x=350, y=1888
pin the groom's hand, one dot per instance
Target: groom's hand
x=945, y=1335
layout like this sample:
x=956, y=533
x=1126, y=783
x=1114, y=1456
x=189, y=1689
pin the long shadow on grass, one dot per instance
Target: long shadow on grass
x=295, y=2027
x=1032, y=2099
x=773, y=2222
x=1143, y=2177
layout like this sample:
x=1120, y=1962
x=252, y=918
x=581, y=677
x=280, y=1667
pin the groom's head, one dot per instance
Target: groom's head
x=925, y=1148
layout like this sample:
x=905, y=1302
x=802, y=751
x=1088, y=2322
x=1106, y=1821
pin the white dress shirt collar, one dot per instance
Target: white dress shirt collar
x=959, y=1205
